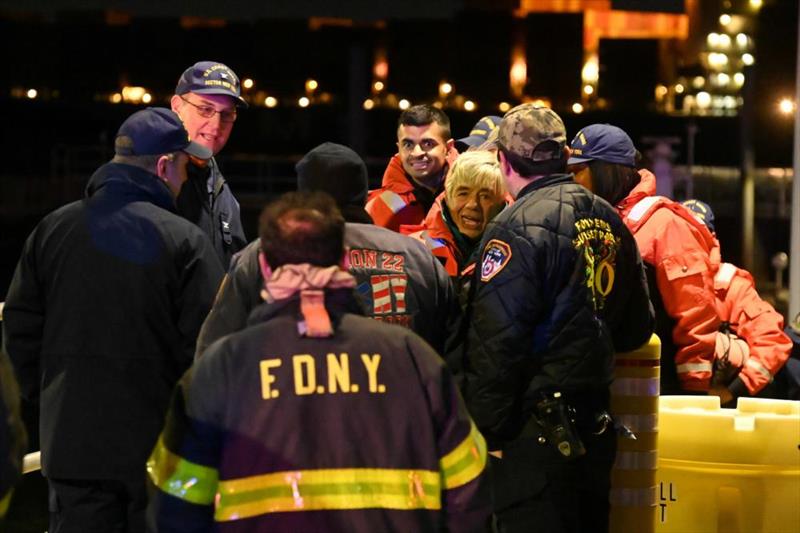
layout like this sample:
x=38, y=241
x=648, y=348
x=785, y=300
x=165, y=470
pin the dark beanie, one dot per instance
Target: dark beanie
x=336, y=170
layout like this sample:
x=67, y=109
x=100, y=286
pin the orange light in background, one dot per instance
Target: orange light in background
x=188, y=22
x=786, y=106
x=504, y=107
x=518, y=73
x=248, y=83
x=133, y=95
x=539, y=102
x=380, y=65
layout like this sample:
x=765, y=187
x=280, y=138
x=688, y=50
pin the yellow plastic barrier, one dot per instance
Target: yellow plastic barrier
x=728, y=470
x=634, y=403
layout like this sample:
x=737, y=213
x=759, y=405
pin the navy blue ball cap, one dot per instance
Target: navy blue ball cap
x=602, y=142
x=156, y=131
x=481, y=131
x=701, y=211
x=211, y=77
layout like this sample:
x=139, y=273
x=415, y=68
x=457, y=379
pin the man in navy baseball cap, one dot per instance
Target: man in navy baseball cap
x=154, y=139
x=208, y=99
x=602, y=142
x=156, y=131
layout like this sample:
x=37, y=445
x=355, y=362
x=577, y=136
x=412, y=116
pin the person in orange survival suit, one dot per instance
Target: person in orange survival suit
x=316, y=418
x=680, y=254
x=474, y=194
x=416, y=174
x=751, y=346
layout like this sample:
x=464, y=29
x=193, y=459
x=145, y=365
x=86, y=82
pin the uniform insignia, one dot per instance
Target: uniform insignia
x=495, y=257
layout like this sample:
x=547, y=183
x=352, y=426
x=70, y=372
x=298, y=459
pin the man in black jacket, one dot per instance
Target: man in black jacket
x=561, y=288
x=399, y=280
x=101, y=319
x=207, y=98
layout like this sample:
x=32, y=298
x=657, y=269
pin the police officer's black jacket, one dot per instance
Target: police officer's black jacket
x=399, y=281
x=101, y=319
x=206, y=199
x=561, y=287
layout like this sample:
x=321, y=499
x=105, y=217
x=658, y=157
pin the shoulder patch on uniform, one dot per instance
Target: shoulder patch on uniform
x=495, y=257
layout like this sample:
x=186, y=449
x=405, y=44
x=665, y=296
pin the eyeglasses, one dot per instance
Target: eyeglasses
x=206, y=111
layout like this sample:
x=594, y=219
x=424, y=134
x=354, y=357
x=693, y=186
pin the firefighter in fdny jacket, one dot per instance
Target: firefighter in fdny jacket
x=561, y=287
x=315, y=418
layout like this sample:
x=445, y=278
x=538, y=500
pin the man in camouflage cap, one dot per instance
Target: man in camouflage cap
x=561, y=289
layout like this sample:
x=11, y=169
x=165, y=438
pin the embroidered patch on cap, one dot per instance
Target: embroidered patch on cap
x=495, y=258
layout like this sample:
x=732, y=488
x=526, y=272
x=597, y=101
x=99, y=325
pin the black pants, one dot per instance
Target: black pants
x=101, y=506
x=535, y=490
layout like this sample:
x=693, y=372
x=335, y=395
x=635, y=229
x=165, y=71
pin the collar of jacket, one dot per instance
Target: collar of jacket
x=207, y=178
x=337, y=303
x=398, y=181
x=645, y=187
x=135, y=182
x=465, y=246
x=546, y=181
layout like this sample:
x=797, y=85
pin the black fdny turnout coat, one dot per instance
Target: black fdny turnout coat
x=561, y=287
x=398, y=280
x=206, y=199
x=363, y=431
x=101, y=319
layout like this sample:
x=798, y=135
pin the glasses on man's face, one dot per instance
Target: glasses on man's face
x=206, y=111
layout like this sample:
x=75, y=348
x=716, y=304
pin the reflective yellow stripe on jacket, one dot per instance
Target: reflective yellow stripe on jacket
x=181, y=478
x=316, y=490
x=466, y=461
x=333, y=489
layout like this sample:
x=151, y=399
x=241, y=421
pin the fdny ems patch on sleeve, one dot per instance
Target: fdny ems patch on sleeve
x=496, y=255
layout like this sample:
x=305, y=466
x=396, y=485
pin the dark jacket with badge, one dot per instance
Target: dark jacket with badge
x=398, y=280
x=101, y=319
x=561, y=289
x=362, y=431
x=207, y=201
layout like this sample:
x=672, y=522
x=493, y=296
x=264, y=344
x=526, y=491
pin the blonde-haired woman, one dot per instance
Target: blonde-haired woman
x=474, y=193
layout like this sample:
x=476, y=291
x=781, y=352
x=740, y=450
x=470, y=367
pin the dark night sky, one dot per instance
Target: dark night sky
x=249, y=9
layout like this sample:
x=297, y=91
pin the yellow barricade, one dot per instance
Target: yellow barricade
x=634, y=403
x=728, y=470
